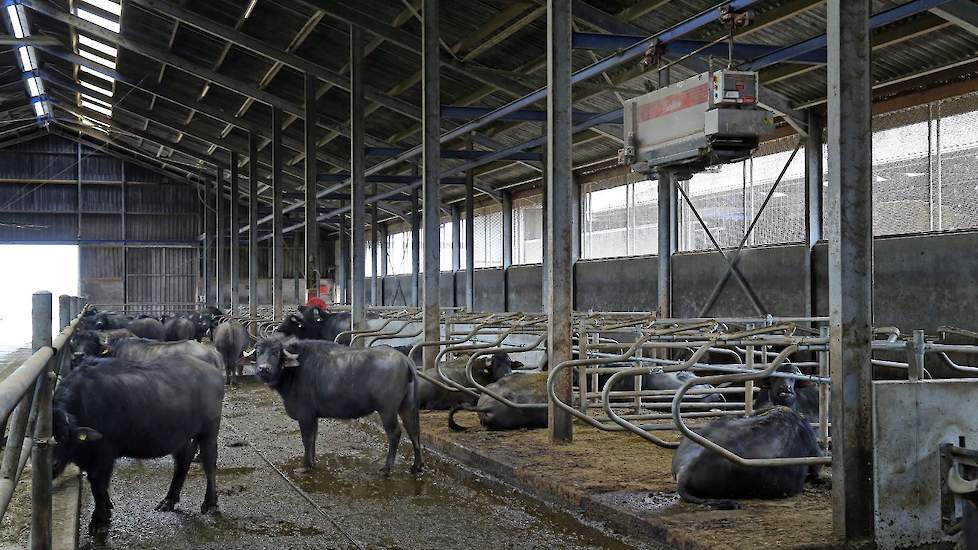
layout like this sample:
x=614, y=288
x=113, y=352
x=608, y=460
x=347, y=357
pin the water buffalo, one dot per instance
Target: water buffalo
x=705, y=477
x=230, y=339
x=798, y=395
x=109, y=321
x=85, y=343
x=325, y=380
x=178, y=329
x=148, y=327
x=434, y=397
x=312, y=323
x=110, y=408
x=142, y=350
x=521, y=388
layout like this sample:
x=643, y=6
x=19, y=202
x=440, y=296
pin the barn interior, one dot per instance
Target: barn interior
x=752, y=191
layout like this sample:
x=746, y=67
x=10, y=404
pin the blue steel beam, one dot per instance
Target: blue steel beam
x=469, y=113
x=819, y=42
x=597, y=41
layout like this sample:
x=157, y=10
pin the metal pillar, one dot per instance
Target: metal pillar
x=559, y=262
x=374, y=250
x=431, y=186
x=296, y=269
x=667, y=180
x=235, y=216
x=311, y=230
x=456, y=249
x=206, y=249
x=41, y=484
x=278, y=241
x=507, y=244
x=416, y=248
x=219, y=221
x=470, y=239
x=343, y=262
x=358, y=215
x=252, y=225
x=813, y=205
x=851, y=269
x=382, y=260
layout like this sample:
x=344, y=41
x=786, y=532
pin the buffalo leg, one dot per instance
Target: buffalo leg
x=98, y=479
x=412, y=425
x=181, y=464
x=309, y=428
x=208, y=458
x=393, y=430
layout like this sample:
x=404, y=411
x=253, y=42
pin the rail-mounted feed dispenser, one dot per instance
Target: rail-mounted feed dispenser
x=711, y=118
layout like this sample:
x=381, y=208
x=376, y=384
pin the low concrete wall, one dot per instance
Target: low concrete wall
x=922, y=281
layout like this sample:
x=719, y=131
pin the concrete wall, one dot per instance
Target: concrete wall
x=922, y=281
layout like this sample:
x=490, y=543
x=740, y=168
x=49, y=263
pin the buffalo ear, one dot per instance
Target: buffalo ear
x=516, y=365
x=87, y=434
x=291, y=359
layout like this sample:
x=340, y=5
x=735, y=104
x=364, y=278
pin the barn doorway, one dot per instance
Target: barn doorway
x=25, y=269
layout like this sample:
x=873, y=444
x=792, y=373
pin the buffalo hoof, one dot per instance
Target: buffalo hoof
x=417, y=468
x=166, y=505
x=385, y=471
x=98, y=529
x=210, y=508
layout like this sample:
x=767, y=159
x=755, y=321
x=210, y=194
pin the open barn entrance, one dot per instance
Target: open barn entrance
x=25, y=269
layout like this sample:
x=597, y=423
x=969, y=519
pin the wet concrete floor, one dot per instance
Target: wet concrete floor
x=355, y=507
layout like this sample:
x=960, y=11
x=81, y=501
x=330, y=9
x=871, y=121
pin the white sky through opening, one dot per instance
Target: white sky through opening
x=28, y=269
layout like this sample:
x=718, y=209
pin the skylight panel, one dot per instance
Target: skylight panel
x=17, y=20
x=27, y=58
x=96, y=58
x=34, y=86
x=96, y=107
x=93, y=72
x=39, y=109
x=98, y=20
x=86, y=97
x=99, y=89
x=110, y=51
x=108, y=5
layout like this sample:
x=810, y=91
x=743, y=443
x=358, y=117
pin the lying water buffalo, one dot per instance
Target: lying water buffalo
x=111, y=408
x=142, y=350
x=230, y=340
x=518, y=388
x=85, y=343
x=434, y=397
x=798, y=395
x=325, y=380
x=179, y=328
x=147, y=327
x=705, y=477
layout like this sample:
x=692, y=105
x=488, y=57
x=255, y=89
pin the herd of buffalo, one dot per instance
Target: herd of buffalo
x=151, y=387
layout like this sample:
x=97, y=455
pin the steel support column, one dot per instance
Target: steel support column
x=374, y=250
x=343, y=263
x=358, y=216
x=235, y=218
x=252, y=225
x=278, y=241
x=456, y=240
x=666, y=206
x=813, y=205
x=431, y=147
x=507, y=244
x=382, y=260
x=205, y=250
x=851, y=269
x=470, y=239
x=311, y=230
x=560, y=204
x=416, y=247
x=219, y=220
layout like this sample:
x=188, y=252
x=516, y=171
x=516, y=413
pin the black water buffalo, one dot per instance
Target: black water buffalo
x=110, y=408
x=147, y=327
x=312, y=323
x=798, y=395
x=529, y=388
x=230, y=340
x=84, y=343
x=325, y=380
x=434, y=397
x=705, y=477
x=142, y=350
x=179, y=328
x=109, y=321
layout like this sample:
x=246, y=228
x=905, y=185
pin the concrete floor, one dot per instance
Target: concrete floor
x=260, y=510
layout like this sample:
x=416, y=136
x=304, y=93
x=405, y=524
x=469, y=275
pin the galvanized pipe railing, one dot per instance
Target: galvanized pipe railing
x=540, y=341
x=25, y=399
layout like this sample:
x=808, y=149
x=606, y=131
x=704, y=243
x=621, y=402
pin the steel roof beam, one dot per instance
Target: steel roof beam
x=598, y=41
x=962, y=13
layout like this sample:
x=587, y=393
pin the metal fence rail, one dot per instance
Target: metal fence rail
x=26, y=397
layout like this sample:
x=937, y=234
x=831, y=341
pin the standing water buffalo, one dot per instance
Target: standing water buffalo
x=230, y=340
x=179, y=328
x=324, y=380
x=312, y=323
x=434, y=397
x=111, y=408
x=530, y=388
x=704, y=476
x=142, y=350
x=85, y=343
x=147, y=327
